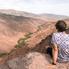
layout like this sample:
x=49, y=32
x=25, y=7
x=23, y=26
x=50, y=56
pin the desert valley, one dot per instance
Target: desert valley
x=24, y=38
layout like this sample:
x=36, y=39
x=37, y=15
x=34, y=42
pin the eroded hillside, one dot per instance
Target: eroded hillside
x=14, y=27
x=33, y=55
x=35, y=35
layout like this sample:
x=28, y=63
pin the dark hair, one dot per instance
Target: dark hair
x=61, y=26
x=67, y=31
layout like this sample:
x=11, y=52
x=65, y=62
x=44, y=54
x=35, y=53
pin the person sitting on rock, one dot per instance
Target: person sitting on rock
x=60, y=41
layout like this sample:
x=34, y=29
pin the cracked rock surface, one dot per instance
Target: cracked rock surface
x=33, y=60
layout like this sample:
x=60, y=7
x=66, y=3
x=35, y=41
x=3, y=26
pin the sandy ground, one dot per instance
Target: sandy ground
x=7, y=43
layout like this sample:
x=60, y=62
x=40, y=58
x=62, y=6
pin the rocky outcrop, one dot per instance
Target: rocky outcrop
x=33, y=60
x=39, y=36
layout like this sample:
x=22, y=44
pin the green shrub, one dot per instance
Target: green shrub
x=22, y=41
x=28, y=35
x=17, y=46
x=39, y=27
x=3, y=54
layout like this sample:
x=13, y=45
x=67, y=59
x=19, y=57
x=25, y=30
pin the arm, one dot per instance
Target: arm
x=54, y=53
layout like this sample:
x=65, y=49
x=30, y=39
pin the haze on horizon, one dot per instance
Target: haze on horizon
x=59, y=7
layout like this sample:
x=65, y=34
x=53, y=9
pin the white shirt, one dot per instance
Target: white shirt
x=62, y=41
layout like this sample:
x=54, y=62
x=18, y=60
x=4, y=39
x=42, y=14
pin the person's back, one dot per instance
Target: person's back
x=62, y=41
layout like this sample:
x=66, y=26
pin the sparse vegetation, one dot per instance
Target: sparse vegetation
x=22, y=41
x=28, y=35
x=39, y=27
x=3, y=54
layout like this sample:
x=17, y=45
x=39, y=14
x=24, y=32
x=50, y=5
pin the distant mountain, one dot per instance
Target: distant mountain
x=17, y=13
x=45, y=16
x=53, y=17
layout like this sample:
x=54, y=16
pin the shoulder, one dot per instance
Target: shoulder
x=57, y=34
x=56, y=37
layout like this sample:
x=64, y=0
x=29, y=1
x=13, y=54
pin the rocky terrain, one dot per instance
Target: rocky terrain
x=24, y=41
x=32, y=56
x=16, y=27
